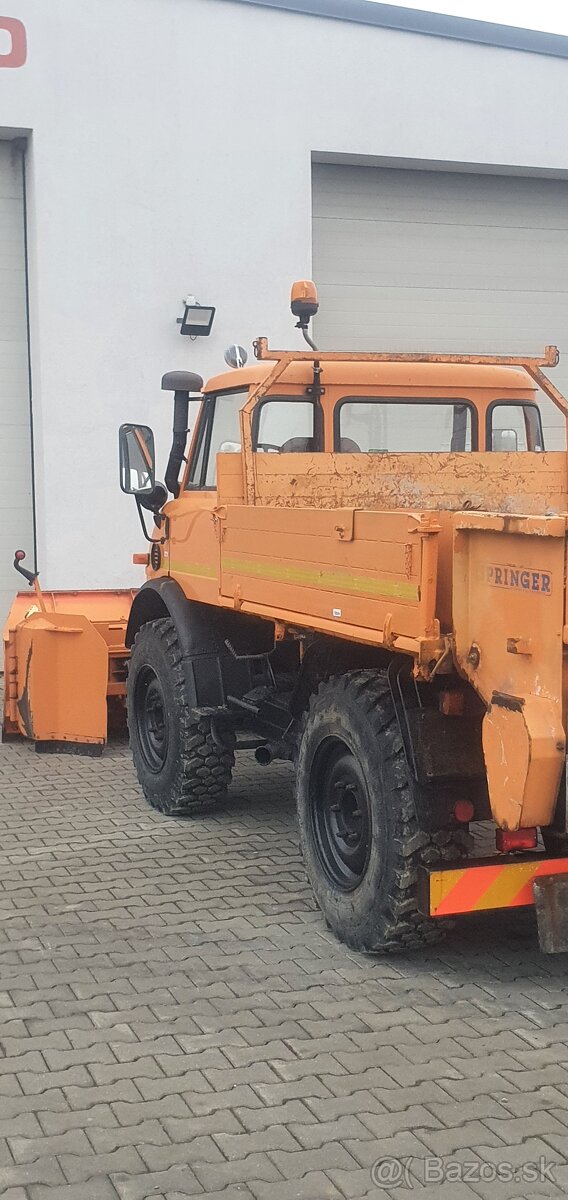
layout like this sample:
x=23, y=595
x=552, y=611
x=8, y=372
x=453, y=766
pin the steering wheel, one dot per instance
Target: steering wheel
x=266, y=447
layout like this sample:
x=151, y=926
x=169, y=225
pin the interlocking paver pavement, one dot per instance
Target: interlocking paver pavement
x=175, y=1019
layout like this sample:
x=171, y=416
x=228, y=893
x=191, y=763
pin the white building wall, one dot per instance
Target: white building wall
x=170, y=153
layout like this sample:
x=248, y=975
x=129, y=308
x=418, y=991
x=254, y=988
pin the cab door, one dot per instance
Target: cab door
x=193, y=541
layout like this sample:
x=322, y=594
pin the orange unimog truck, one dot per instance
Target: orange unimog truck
x=357, y=563
x=362, y=569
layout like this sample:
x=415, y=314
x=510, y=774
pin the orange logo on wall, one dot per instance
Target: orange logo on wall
x=17, y=54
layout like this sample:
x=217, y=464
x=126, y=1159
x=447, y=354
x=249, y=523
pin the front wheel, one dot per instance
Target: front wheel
x=360, y=837
x=181, y=759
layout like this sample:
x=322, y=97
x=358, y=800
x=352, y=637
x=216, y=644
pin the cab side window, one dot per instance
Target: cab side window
x=219, y=433
x=284, y=426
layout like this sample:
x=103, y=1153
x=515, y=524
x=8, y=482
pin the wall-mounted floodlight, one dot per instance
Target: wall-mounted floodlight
x=197, y=318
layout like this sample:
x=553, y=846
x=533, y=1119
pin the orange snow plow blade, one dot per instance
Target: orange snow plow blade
x=65, y=668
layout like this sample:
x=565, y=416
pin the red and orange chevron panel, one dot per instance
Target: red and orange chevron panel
x=493, y=885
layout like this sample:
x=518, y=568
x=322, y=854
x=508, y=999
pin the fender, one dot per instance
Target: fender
x=164, y=597
x=214, y=642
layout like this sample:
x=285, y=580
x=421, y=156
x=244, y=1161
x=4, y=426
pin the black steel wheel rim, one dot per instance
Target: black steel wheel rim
x=340, y=814
x=151, y=723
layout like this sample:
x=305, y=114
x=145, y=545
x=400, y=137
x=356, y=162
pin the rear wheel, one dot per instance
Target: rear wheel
x=182, y=760
x=360, y=837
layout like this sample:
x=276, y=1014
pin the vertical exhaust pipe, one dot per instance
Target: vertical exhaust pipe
x=181, y=383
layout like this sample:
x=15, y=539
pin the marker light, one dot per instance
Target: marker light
x=515, y=839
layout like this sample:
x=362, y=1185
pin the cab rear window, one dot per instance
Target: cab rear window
x=513, y=427
x=378, y=425
x=284, y=425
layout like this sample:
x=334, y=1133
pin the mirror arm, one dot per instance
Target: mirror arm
x=147, y=535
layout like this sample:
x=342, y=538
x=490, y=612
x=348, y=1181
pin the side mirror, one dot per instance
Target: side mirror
x=137, y=455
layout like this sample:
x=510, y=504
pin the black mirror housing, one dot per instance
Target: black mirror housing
x=154, y=500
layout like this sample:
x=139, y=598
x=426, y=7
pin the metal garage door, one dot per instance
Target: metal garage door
x=16, y=524
x=424, y=260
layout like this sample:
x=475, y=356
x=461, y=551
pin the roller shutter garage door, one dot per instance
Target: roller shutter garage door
x=427, y=260
x=16, y=524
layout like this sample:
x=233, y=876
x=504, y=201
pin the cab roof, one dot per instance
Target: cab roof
x=365, y=374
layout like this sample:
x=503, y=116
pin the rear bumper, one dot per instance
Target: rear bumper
x=484, y=884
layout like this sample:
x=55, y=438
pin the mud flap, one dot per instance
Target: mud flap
x=551, y=905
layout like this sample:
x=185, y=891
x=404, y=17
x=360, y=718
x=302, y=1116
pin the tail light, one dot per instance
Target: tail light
x=464, y=811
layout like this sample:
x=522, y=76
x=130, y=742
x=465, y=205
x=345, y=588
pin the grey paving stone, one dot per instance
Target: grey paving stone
x=183, y=1129
x=238, y=1192
x=26, y=1149
x=202, y=1103
x=42, y=1170
x=239, y=1145
x=215, y=1176
x=197, y=1150
x=99, y=1115
x=135, y=1111
x=313, y=1186
x=179, y=1180
x=95, y=1189
x=81, y=1167
x=105, y=1140
x=25, y=1124
x=253, y=1119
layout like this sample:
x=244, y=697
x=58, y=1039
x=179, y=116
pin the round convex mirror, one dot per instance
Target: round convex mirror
x=235, y=356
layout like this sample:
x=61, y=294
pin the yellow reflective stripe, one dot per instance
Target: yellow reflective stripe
x=202, y=569
x=441, y=884
x=503, y=890
x=489, y=886
x=340, y=581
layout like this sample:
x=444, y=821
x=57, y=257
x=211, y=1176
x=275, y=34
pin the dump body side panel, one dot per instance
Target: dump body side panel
x=373, y=570
x=397, y=482
x=489, y=482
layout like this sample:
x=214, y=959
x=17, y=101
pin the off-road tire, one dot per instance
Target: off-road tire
x=379, y=909
x=191, y=764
